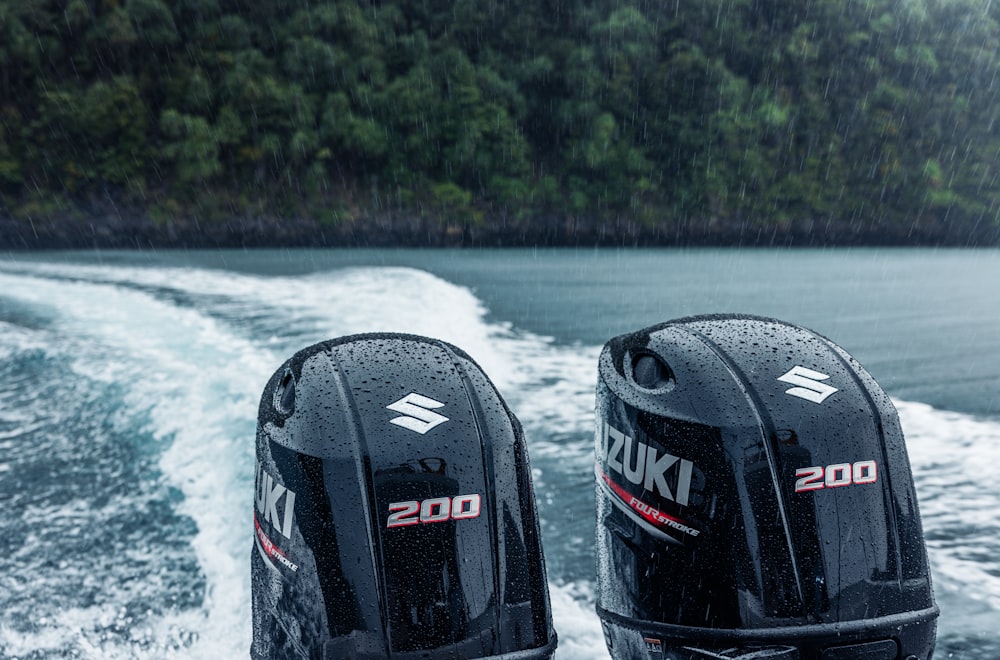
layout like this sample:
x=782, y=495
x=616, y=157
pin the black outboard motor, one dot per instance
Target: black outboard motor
x=394, y=514
x=754, y=500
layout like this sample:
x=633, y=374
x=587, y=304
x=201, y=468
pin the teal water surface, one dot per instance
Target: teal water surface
x=925, y=322
x=129, y=385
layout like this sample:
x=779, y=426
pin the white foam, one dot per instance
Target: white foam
x=198, y=384
x=15, y=339
x=576, y=622
x=198, y=378
x=549, y=386
x=956, y=467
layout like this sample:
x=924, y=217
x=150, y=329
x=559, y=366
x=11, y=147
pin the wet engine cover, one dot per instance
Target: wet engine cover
x=754, y=499
x=394, y=515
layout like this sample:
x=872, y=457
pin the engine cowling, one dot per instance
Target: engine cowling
x=394, y=513
x=754, y=499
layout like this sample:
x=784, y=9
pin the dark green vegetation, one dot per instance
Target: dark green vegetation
x=718, y=119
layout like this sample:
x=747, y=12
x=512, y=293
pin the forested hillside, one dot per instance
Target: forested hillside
x=850, y=117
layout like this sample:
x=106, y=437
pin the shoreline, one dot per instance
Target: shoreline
x=390, y=230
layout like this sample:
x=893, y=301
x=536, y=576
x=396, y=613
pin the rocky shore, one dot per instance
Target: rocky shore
x=394, y=230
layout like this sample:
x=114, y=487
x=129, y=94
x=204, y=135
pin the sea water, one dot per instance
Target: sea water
x=129, y=384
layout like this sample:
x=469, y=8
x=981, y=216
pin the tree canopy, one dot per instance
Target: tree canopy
x=762, y=112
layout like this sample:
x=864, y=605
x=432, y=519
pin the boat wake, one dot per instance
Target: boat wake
x=127, y=416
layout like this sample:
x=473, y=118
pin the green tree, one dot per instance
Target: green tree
x=93, y=137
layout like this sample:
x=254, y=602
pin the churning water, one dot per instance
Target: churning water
x=129, y=385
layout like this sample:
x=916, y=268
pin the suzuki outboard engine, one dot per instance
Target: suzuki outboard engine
x=394, y=515
x=754, y=500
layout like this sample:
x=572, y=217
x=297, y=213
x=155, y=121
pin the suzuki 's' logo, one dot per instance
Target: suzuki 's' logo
x=417, y=413
x=807, y=384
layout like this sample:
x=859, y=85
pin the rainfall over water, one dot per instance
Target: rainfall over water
x=129, y=385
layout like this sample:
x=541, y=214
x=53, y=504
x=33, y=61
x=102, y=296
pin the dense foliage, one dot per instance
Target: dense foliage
x=852, y=112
